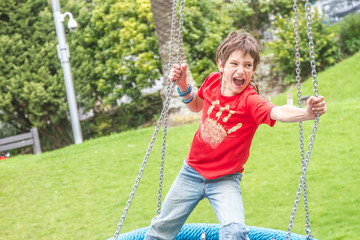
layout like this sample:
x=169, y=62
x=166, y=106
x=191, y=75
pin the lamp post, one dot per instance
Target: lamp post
x=64, y=56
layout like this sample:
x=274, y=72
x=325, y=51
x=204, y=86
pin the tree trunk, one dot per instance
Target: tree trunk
x=162, y=13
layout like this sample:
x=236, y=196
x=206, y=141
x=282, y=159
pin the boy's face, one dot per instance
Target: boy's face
x=236, y=73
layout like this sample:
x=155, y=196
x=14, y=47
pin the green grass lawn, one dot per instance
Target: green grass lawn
x=79, y=192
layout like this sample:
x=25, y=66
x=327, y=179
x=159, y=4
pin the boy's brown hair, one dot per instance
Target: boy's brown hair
x=240, y=40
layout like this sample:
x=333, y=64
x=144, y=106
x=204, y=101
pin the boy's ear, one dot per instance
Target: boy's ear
x=220, y=66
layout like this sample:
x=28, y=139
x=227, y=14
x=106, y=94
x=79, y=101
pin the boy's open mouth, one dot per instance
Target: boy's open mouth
x=239, y=81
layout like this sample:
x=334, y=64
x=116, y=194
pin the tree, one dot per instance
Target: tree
x=349, y=33
x=327, y=51
x=126, y=58
x=82, y=54
x=257, y=15
x=206, y=24
x=162, y=12
x=32, y=91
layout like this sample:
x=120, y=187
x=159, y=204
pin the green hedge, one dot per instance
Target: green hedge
x=349, y=33
x=327, y=51
x=124, y=117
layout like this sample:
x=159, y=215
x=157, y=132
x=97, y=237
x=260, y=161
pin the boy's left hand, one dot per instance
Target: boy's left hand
x=315, y=105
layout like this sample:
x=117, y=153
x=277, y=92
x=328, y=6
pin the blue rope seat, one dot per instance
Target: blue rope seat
x=193, y=231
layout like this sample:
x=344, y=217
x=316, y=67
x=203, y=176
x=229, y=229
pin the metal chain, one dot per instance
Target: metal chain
x=181, y=23
x=164, y=115
x=298, y=79
x=170, y=89
x=173, y=24
x=311, y=46
x=305, y=161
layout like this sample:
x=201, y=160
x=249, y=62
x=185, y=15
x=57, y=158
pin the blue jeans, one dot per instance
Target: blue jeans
x=187, y=191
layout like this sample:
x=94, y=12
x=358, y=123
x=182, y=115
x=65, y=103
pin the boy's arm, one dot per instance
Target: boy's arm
x=178, y=74
x=196, y=104
x=287, y=113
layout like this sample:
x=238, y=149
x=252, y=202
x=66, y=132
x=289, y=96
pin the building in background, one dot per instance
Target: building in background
x=335, y=10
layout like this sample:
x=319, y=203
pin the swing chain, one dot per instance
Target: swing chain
x=164, y=115
x=305, y=161
x=170, y=90
x=311, y=46
x=137, y=181
x=181, y=23
x=173, y=24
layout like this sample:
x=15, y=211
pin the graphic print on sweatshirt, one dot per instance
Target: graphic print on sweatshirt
x=213, y=129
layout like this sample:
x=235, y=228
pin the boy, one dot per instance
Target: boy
x=232, y=110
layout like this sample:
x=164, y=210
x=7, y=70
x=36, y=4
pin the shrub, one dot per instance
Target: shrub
x=327, y=51
x=349, y=31
x=205, y=26
x=124, y=117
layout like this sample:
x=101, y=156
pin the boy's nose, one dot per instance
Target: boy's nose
x=240, y=71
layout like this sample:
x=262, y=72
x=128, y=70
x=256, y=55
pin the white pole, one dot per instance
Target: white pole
x=64, y=55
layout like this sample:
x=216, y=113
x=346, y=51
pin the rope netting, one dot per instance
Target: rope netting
x=194, y=231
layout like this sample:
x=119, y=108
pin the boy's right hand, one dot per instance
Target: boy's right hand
x=178, y=74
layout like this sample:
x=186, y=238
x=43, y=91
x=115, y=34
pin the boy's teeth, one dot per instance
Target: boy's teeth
x=238, y=81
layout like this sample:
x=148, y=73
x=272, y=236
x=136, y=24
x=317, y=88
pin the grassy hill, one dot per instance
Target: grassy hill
x=79, y=192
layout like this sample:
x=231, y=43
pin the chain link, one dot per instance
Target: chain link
x=181, y=22
x=172, y=36
x=169, y=94
x=304, y=160
x=163, y=116
x=311, y=46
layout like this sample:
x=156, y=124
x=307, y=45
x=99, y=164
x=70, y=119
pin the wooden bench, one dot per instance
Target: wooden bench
x=22, y=140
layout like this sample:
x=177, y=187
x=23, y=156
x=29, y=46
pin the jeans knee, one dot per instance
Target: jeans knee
x=234, y=231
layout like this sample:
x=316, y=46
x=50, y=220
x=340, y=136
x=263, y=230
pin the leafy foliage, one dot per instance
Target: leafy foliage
x=206, y=24
x=350, y=33
x=124, y=117
x=32, y=90
x=116, y=54
x=256, y=15
x=327, y=51
x=113, y=53
x=126, y=59
x=82, y=56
